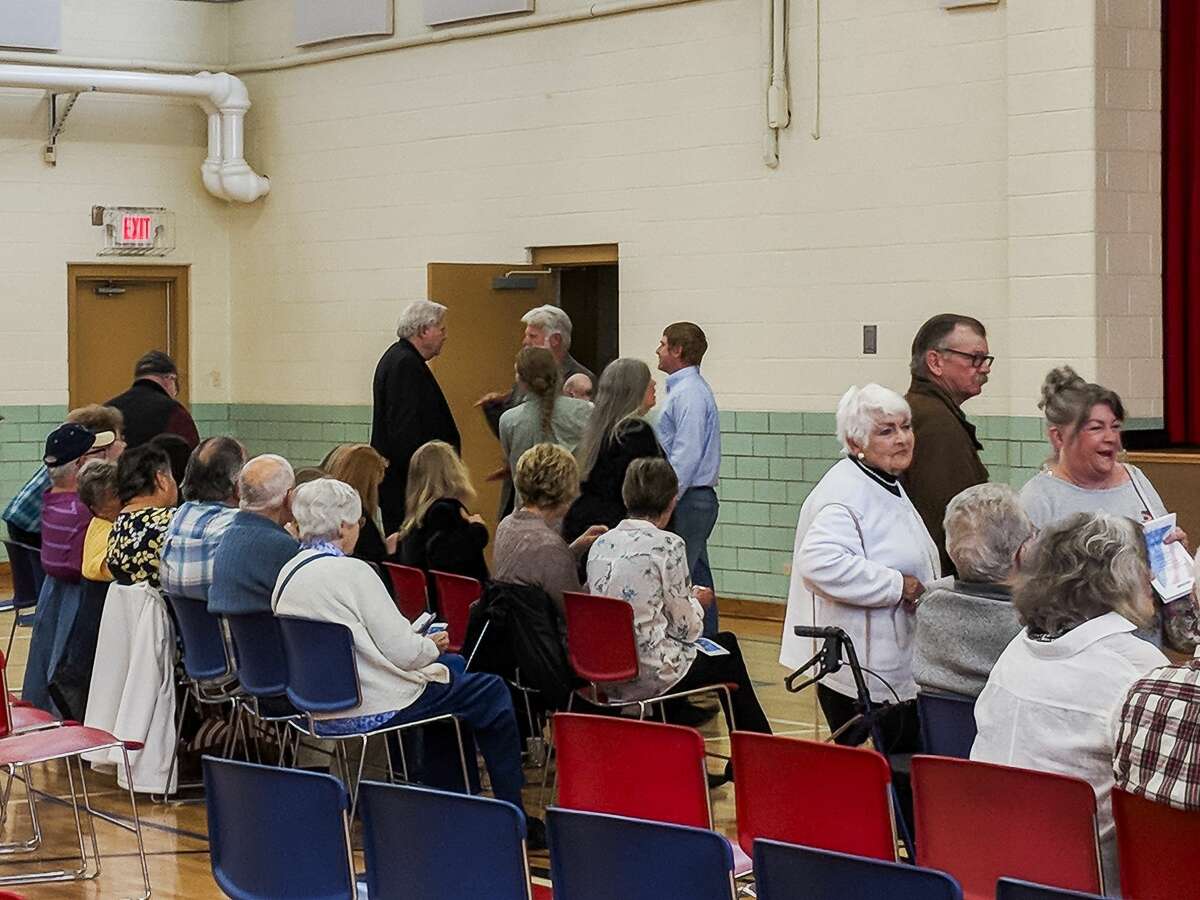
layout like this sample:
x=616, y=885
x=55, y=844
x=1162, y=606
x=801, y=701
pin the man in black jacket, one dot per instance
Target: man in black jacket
x=149, y=406
x=410, y=408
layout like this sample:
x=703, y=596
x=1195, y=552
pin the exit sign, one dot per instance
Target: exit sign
x=136, y=231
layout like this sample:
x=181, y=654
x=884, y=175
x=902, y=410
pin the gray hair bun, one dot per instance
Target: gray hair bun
x=1059, y=381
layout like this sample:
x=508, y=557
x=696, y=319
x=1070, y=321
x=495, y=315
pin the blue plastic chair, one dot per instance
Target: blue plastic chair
x=595, y=856
x=1015, y=889
x=278, y=832
x=424, y=844
x=261, y=661
x=27, y=577
x=791, y=872
x=323, y=679
x=947, y=723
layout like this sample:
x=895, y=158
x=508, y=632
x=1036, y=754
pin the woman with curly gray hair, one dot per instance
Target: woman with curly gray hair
x=1052, y=698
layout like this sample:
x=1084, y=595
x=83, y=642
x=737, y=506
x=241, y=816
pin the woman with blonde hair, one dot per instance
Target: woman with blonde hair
x=438, y=531
x=545, y=415
x=529, y=545
x=361, y=467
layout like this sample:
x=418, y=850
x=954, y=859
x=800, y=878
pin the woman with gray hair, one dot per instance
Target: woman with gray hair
x=617, y=433
x=863, y=557
x=964, y=623
x=403, y=676
x=1052, y=698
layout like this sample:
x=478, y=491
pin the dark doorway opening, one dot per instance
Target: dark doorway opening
x=589, y=295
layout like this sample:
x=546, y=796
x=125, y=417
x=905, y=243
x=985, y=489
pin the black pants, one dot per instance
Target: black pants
x=899, y=726
x=21, y=536
x=748, y=715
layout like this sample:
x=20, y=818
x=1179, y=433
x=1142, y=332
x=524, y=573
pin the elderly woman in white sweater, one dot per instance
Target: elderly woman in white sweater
x=862, y=560
x=403, y=675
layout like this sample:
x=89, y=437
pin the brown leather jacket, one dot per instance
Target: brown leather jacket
x=945, y=460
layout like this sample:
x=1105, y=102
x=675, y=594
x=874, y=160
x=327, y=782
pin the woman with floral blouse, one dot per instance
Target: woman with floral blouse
x=148, y=497
x=643, y=564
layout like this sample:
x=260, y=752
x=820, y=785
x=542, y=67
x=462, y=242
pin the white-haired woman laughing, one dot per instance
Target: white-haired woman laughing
x=862, y=560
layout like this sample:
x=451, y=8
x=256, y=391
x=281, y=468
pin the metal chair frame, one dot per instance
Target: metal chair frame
x=89, y=867
x=30, y=609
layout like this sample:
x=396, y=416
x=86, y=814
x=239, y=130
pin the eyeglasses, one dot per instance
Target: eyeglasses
x=978, y=360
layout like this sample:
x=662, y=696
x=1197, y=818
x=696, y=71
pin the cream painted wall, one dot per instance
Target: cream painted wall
x=962, y=164
x=114, y=151
x=958, y=168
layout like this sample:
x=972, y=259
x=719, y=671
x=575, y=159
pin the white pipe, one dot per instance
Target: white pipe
x=777, y=96
x=223, y=98
x=770, y=134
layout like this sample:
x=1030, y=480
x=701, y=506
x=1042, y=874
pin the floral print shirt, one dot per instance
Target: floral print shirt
x=647, y=567
x=135, y=544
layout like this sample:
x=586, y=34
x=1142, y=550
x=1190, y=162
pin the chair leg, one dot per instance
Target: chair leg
x=12, y=632
x=137, y=825
x=91, y=816
x=171, y=771
x=362, y=758
x=462, y=755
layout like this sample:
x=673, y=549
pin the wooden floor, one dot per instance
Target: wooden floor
x=176, y=837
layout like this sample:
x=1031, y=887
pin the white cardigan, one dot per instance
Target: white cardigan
x=394, y=662
x=855, y=542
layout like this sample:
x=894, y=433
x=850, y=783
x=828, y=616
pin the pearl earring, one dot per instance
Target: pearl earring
x=861, y=455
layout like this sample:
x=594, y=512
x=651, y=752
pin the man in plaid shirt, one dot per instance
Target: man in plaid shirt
x=1157, y=754
x=23, y=515
x=196, y=529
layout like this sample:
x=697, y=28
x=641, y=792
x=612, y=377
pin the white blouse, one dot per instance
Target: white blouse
x=647, y=567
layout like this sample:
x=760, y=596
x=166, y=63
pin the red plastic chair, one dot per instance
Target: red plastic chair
x=455, y=595
x=602, y=649
x=643, y=770
x=1152, y=838
x=624, y=767
x=68, y=744
x=409, y=588
x=821, y=795
x=980, y=821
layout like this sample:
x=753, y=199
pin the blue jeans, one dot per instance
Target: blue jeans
x=58, y=604
x=484, y=705
x=694, y=520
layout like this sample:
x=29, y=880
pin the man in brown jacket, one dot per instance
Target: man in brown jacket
x=950, y=364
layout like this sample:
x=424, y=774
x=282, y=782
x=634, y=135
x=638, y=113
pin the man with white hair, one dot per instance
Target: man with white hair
x=256, y=545
x=410, y=408
x=964, y=623
x=548, y=327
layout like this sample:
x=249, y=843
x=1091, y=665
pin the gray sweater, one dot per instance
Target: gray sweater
x=962, y=628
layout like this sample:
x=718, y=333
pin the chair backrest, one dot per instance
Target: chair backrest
x=784, y=871
x=27, y=574
x=1150, y=834
x=409, y=589
x=947, y=723
x=645, y=770
x=322, y=672
x=423, y=844
x=455, y=595
x=204, y=655
x=594, y=856
x=980, y=821
x=817, y=794
x=600, y=641
x=277, y=832
x=1015, y=889
x=261, y=661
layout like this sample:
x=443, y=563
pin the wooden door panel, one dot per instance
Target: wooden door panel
x=483, y=336
x=111, y=332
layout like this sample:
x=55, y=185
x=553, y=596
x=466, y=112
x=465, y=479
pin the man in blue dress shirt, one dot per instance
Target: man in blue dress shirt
x=690, y=434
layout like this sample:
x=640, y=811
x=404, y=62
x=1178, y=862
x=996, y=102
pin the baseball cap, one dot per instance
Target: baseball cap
x=155, y=362
x=67, y=443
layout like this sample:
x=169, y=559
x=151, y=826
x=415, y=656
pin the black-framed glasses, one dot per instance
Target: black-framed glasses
x=978, y=360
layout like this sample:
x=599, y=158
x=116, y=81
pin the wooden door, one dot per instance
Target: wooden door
x=483, y=336
x=117, y=313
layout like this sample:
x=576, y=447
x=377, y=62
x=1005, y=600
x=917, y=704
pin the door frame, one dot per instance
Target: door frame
x=178, y=292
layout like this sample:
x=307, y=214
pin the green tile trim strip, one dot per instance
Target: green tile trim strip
x=771, y=460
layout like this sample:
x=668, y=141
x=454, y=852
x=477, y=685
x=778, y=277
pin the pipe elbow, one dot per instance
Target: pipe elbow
x=242, y=184
x=225, y=91
x=210, y=174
